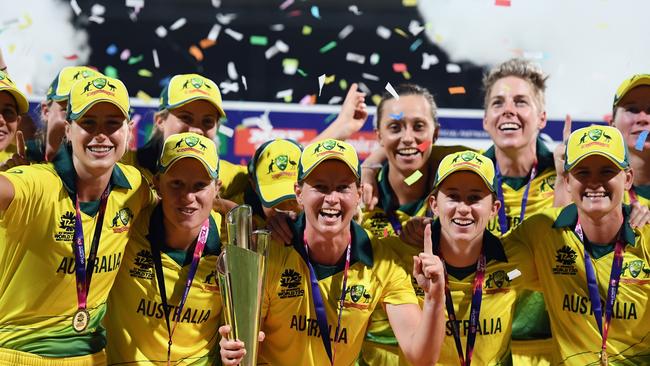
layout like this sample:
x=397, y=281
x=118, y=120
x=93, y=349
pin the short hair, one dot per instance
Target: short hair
x=409, y=89
x=522, y=69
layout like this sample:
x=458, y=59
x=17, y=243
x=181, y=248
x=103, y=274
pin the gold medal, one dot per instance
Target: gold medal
x=80, y=320
x=603, y=358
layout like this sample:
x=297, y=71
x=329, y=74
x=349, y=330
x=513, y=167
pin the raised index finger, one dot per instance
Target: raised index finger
x=567, y=128
x=428, y=245
x=20, y=143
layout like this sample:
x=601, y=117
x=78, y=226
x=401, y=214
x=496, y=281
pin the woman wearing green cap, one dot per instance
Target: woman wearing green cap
x=166, y=304
x=13, y=103
x=593, y=267
x=53, y=294
x=321, y=289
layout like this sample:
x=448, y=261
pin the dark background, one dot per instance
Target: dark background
x=265, y=77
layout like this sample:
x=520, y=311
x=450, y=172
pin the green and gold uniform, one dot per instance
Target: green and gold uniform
x=135, y=321
x=492, y=345
x=288, y=316
x=642, y=193
x=531, y=330
x=37, y=282
x=7, y=153
x=559, y=260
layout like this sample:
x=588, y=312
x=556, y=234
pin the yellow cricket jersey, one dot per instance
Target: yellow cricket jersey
x=233, y=177
x=7, y=153
x=559, y=260
x=642, y=195
x=289, y=319
x=377, y=220
x=531, y=321
x=135, y=320
x=37, y=278
x=493, y=336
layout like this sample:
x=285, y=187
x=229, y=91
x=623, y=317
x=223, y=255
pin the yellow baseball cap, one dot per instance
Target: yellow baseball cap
x=468, y=161
x=190, y=145
x=86, y=93
x=186, y=88
x=629, y=84
x=60, y=87
x=274, y=170
x=319, y=151
x=6, y=84
x=596, y=140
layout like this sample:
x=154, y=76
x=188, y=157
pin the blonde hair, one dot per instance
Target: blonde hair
x=522, y=69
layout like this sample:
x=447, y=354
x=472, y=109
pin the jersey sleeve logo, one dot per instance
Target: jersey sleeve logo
x=66, y=227
x=120, y=222
x=566, y=259
x=290, y=282
x=497, y=282
x=635, y=272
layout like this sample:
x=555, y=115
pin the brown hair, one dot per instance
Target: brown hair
x=522, y=69
x=409, y=89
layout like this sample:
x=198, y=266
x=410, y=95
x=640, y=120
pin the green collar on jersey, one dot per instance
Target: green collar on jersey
x=544, y=162
x=388, y=200
x=568, y=218
x=492, y=246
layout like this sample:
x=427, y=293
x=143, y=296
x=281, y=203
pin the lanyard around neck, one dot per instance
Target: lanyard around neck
x=319, y=304
x=475, y=309
x=84, y=269
x=612, y=289
x=503, y=220
x=160, y=278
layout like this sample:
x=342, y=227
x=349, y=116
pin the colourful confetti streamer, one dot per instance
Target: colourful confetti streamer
x=135, y=59
x=415, y=45
x=502, y=2
x=389, y=88
x=145, y=73
x=399, y=67
x=71, y=57
x=206, y=43
x=256, y=40
x=196, y=53
x=111, y=72
x=397, y=116
x=143, y=96
x=302, y=73
x=315, y=12
x=413, y=178
x=111, y=49
x=422, y=147
x=328, y=47
x=641, y=140
x=457, y=90
x=306, y=30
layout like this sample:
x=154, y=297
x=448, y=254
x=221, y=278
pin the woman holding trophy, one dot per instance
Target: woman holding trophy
x=166, y=304
x=320, y=290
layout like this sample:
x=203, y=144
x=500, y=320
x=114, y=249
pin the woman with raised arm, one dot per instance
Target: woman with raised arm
x=64, y=228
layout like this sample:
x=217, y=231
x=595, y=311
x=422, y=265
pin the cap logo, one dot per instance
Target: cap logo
x=328, y=145
x=467, y=156
x=83, y=73
x=190, y=141
x=595, y=135
x=281, y=162
x=100, y=83
x=3, y=76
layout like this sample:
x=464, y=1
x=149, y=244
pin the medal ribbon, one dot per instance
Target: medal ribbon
x=395, y=223
x=84, y=270
x=612, y=289
x=475, y=309
x=198, y=251
x=503, y=220
x=319, y=304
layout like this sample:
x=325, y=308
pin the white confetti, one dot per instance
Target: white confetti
x=232, y=71
x=391, y=90
x=372, y=77
x=321, y=82
x=135, y=3
x=156, y=62
x=383, y=32
x=286, y=4
x=277, y=27
x=75, y=7
x=354, y=9
x=364, y=88
x=161, y=31
x=234, y=34
x=428, y=60
x=225, y=19
x=178, y=24
x=514, y=274
x=281, y=46
x=96, y=19
x=345, y=32
x=227, y=87
x=216, y=3
x=262, y=122
x=335, y=100
x=355, y=57
x=453, y=68
x=214, y=32
x=374, y=59
x=98, y=10
x=271, y=51
x=415, y=27
x=226, y=131
x=284, y=93
x=243, y=81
